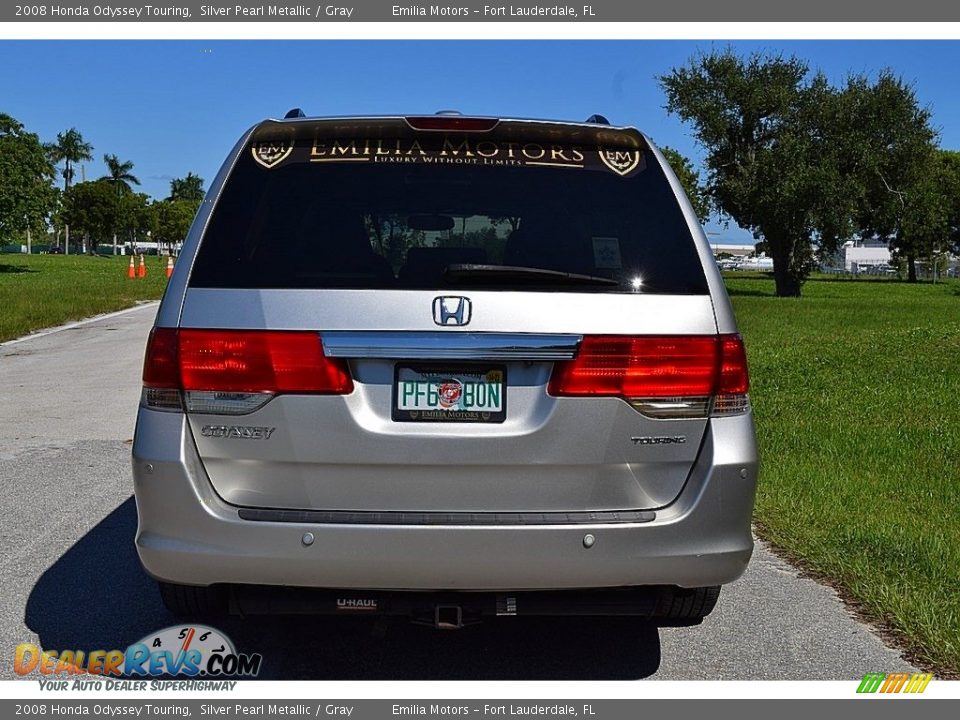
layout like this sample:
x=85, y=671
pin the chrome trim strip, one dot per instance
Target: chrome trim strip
x=449, y=345
x=368, y=517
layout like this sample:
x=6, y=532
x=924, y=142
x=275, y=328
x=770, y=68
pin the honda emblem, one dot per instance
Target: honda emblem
x=451, y=310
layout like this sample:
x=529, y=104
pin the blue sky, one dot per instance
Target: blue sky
x=178, y=106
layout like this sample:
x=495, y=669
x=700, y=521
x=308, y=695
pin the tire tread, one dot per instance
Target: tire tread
x=687, y=604
x=188, y=601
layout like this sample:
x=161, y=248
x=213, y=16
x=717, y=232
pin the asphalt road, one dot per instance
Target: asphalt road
x=70, y=577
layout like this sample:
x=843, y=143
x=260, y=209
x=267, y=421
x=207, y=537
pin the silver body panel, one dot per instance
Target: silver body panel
x=345, y=453
x=188, y=534
x=502, y=312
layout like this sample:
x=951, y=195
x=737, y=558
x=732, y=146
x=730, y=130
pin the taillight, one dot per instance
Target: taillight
x=160, y=366
x=731, y=396
x=237, y=371
x=161, y=371
x=452, y=123
x=733, y=366
x=663, y=376
x=259, y=362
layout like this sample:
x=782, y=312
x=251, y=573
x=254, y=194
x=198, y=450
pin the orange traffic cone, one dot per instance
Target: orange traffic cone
x=131, y=270
x=142, y=270
x=169, y=266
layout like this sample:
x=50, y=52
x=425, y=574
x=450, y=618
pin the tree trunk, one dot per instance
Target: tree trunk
x=787, y=281
x=787, y=284
x=911, y=268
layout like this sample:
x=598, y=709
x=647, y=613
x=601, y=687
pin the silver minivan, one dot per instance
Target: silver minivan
x=445, y=367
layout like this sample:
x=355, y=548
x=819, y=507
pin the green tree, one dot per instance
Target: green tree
x=135, y=217
x=27, y=198
x=189, y=188
x=70, y=149
x=950, y=169
x=172, y=220
x=690, y=180
x=119, y=174
x=92, y=209
x=889, y=145
x=173, y=216
x=930, y=224
x=920, y=225
x=798, y=161
x=760, y=119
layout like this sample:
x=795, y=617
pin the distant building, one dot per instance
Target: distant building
x=761, y=262
x=737, y=250
x=862, y=255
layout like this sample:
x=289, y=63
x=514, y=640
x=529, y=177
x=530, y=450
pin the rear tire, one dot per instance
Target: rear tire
x=686, y=606
x=189, y=601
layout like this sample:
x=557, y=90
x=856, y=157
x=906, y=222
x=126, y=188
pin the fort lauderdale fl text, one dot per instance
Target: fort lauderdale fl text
x=492, y=11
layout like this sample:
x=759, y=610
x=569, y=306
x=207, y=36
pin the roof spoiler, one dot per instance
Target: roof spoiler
x=597, y=119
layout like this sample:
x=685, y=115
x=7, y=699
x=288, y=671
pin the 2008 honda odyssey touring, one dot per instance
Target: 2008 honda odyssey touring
x=445, y=367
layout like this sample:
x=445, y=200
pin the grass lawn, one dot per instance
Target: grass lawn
x=856, y=390
x=38, y=291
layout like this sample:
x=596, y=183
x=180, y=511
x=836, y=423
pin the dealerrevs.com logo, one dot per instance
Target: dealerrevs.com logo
x=184, y=651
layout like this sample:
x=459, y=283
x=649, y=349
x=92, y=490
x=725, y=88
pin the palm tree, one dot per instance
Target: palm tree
x=187, y=188
x=69, y=149
x=120, y=176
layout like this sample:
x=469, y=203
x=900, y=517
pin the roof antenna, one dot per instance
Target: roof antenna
x=294, y=113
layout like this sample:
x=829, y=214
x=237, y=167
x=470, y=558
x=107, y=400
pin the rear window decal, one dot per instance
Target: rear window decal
x=456, y=150
x=272, y=152
x=606, y=253
x=622, y=162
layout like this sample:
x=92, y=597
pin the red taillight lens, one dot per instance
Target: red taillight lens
x=734, y=379
x=653, y=367
x=243, y=361
x=160, y=366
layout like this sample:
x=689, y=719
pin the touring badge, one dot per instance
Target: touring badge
x=271, y=153
x=620, y=161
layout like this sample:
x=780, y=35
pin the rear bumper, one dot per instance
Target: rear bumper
x=189, y=535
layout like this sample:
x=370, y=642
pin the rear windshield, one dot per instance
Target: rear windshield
x=430, y=212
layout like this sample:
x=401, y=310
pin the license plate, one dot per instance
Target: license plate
x=444, y=393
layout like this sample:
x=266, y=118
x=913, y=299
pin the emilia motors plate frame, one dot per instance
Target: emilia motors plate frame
x=456, y=373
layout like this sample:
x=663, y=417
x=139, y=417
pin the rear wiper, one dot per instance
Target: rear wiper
x=508, y=273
